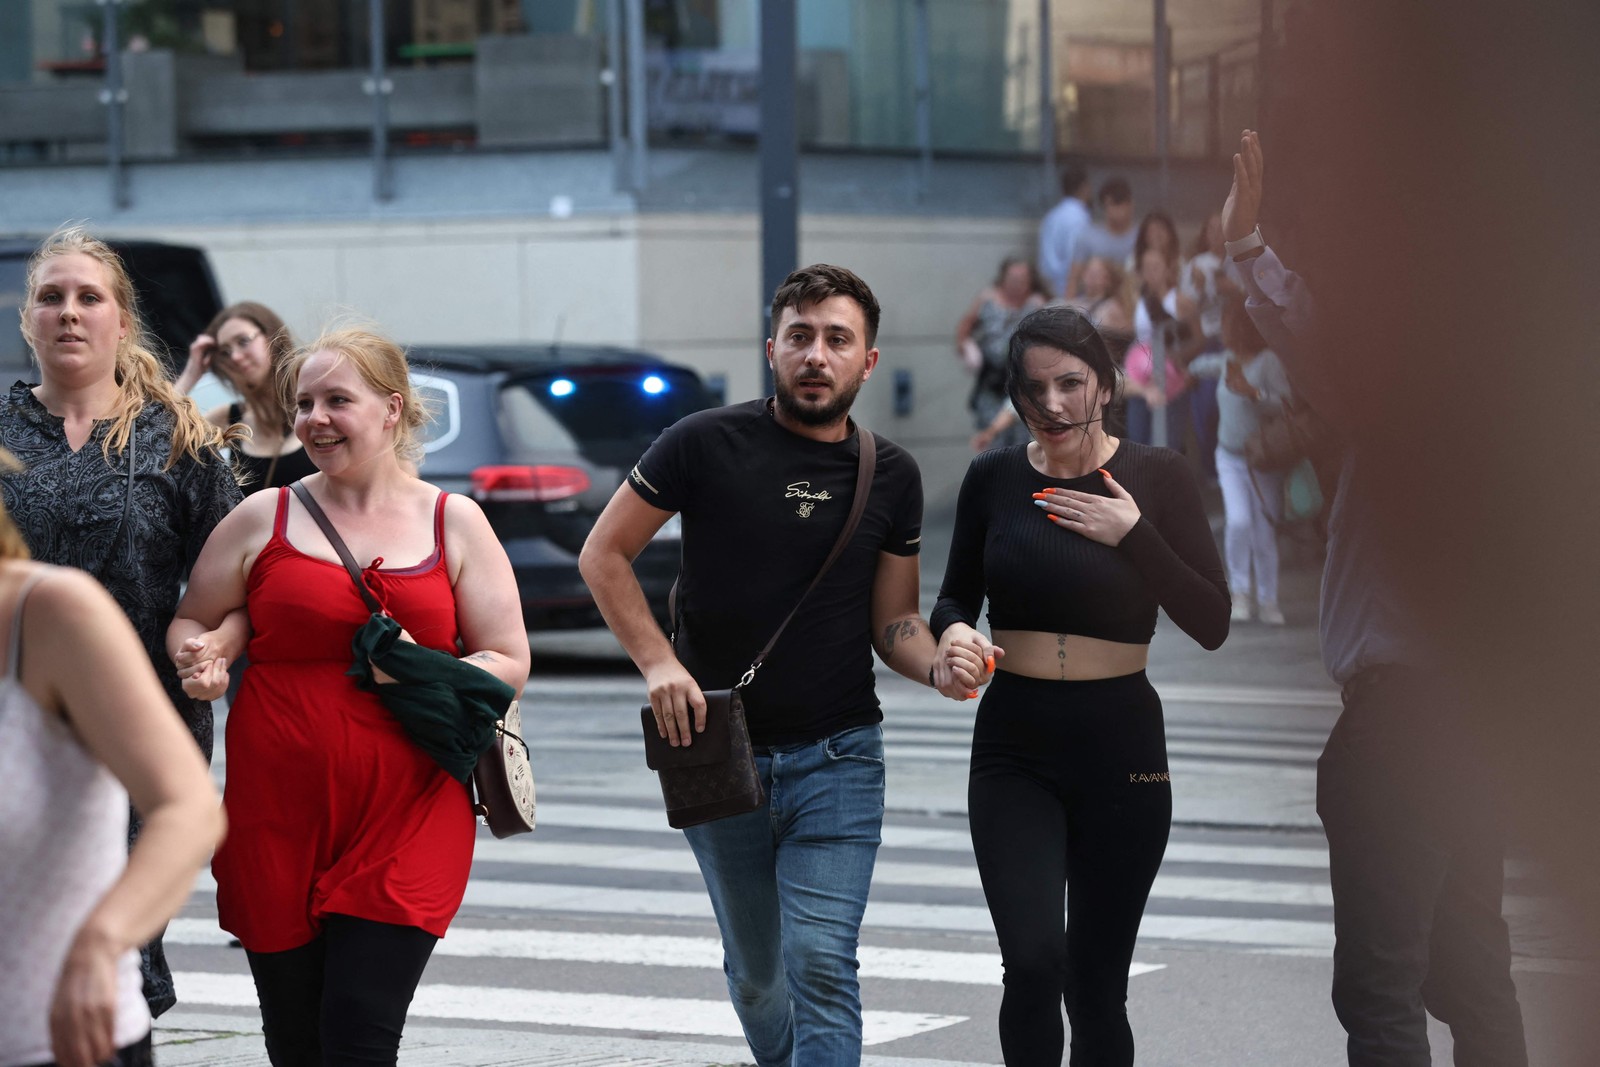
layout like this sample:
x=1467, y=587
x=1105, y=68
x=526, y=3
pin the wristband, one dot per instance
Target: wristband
x=1248, y=243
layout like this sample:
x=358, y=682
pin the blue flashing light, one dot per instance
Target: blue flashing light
x=654, y=384
x=562, y=387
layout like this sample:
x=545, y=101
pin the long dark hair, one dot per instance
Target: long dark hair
x=1065, y=329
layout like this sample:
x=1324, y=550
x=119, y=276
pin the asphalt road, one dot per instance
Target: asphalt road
x=591, y=941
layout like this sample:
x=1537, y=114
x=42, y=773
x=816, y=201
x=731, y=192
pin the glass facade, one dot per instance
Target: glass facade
x=262, y=75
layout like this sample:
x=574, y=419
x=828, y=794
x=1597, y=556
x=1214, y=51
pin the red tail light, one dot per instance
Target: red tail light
x=539, y=483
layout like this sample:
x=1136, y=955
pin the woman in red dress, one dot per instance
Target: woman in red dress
x=350, y=847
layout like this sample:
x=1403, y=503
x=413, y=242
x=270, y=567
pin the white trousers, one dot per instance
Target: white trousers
x=1250, y=542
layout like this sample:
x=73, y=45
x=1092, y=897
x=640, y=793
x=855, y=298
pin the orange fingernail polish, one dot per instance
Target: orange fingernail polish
x=972, y=695
x=1041, y=496
x=1102, y=470
x=989, y=663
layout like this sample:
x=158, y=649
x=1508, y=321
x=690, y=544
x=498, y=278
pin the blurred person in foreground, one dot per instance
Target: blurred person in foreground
x=1416, y=843
x=1254, y=389
x=351, y=845
x=1075, y=539
x=1111, y=238
x=764, y=488
x=1430, y=163
x=84, y=726
x=246, y=345
x=122, y=477
x=981, y=339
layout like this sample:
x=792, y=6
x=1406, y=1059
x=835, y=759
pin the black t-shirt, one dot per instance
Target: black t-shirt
x=761, y=508
x=1039, y=576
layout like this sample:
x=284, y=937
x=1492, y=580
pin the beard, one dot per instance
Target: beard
x=816, y=412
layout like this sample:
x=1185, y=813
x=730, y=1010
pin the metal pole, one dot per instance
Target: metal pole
x=1047, y=102
x=924, y=97
x=780, y=155
x=612, y=77
x=1263, y=62
x=291, y=55
x=379, y=87
x=638, y=120
x=1163, y=88
x=114, y=96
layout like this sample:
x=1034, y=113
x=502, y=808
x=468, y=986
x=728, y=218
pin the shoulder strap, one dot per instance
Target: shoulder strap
x=866, y=464
x=14, y=653
x=338, y=544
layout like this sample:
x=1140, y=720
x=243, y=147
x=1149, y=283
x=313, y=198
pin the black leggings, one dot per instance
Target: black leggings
x=1068, y=792
x=342, y=998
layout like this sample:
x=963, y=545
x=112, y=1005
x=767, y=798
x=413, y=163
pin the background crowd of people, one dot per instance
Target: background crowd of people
x=1129, y=275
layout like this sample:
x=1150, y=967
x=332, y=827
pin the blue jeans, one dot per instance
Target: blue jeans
x=789, y=883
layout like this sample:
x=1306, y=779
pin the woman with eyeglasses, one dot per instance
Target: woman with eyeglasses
x=121, y=475
x=244, y=346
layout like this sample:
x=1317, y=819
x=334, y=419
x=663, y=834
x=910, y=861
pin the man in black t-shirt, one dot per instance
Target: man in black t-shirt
x=764, y=489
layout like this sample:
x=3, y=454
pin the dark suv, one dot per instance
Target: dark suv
x=177, y=296
x=542, y=437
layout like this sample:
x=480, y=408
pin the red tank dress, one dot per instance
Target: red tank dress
x=331, y=808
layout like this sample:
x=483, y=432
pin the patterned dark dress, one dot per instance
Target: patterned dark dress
x=73, y=509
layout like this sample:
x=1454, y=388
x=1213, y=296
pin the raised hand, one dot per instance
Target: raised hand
x=1242, y=210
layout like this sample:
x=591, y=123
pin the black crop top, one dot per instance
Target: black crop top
x=1040, y=576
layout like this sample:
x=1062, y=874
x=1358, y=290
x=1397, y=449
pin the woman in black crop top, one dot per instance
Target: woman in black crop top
x=244, y=346
x=1075, y=539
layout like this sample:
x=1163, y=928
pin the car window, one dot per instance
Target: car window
x=15, y=361
x=598, y=410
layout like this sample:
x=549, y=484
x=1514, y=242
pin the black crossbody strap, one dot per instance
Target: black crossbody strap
x=339, y=546
x=865, y=466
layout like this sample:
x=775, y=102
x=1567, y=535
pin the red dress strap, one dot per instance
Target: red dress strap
x=280, y=523
x=438, y=524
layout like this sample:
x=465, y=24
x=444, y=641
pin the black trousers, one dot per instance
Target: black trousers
x=342, y=998
x=1070, y=806
x=1416, y=858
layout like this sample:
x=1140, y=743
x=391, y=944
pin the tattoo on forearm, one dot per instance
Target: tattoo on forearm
x=480, y=657
x=903, y=630
x=1061, y=654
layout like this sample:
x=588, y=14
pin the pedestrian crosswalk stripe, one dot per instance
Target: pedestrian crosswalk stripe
x=925, y=748
x=651, y=820
x=893, y=697
x=597, y=1011
x=567, y=855
x=896, y=964
x=880, y=915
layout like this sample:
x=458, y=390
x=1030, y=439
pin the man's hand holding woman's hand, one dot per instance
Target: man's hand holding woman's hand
x=964, y=661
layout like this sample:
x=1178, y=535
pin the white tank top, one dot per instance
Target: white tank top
x=63, y=843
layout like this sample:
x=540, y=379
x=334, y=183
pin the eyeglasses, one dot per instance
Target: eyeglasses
x=229, y=349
